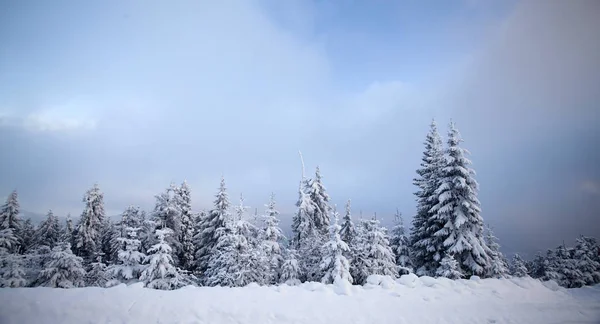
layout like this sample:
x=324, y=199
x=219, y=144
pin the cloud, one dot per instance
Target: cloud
x=590, y=187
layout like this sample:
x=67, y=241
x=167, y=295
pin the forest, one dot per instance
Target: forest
x=173, y=246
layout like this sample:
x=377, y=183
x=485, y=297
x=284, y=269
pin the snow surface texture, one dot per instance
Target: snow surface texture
x=408, y=299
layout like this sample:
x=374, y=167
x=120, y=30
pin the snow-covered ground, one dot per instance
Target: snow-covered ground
x=406, y=300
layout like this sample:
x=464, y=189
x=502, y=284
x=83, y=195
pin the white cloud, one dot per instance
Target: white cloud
x=48, y=121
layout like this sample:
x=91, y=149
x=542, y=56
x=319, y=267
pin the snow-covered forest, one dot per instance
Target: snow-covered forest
x=173, y=246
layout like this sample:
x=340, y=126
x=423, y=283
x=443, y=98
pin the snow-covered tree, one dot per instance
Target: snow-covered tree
x=400, y=245
x=272, y=238
x=498, y=267
x=381, y=257
x=585, y=255
x=67, y=231
x=167, y=215
x=110, y=236
x=334, y=265
x=290, y=269
x=146, y=235
x=97, y=275
x=320, y=198
x=538, y=266
x=129, y=257
x=160, y=272
x=186, y=237
x=88, y=232
x=11, y=264
x=449, y=268
x=211, y=228
x=302, y=222
x=426, y=247
x=28, y=237
x=458, y=208
x=63, y=270
x=360, y=263
x=9, y=218
x=49, y=232
x=518, y=268
x=348, y=231
x=223, y=265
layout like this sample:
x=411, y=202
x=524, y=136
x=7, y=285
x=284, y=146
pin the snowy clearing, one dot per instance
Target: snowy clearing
x=383, y=300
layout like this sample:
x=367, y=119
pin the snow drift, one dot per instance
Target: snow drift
x=409, y=299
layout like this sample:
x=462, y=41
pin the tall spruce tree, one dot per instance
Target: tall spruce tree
x=167, y=215
x=9, y=218
x=48, y=233
x=320, y=200
x=585, y=255
x=63, y=270
x=186, y=236
x=28, y=237
x=459, y=210
x=518, y=268
x=498, y=267
x=209, y=227
x=160, y=272
x=348, y=231
x=360, y=262
x=379, y=253
x=335, y=266
x=400, y=245
x=272, y=242
x=427, y=248
x=88, y=239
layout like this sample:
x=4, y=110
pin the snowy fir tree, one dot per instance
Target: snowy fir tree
x=318, y=195
x=146, y=235
x=290, y=269
x=348, y=231
x=97, y=275
x=426, y=247
x=186, y=237
x=251, y=256
x=49, y=232
x=379, y=253
x=160, y=272
x=335, y=266
x=585, y=256
x=9, y=218
x=210, y=227
x=67, y=231
x=498, y=267
x=458, y=208
x=538, y=266
x=400, y=245
x=518, y=268
x=11, y=264
x=272, y=238
x=449, y=268
x=27, y=236
x=564, y=268
x=223, y=265
x=166, y=215
x=110, y=243
x=360, y=262
x=63, y=270
x=130, y=258
x=89, y=229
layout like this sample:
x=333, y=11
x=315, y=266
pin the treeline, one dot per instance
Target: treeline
x=172, y=246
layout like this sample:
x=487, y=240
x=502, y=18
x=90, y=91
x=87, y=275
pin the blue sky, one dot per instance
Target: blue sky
x=136, y=94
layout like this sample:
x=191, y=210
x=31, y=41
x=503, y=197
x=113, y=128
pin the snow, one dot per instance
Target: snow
x=409, y=299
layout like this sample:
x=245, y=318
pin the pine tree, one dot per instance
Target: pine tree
x=209, y=227
x=88, y=232
x=381, y=257
x=400, y=245
x=498, y=267
x=11, y=271
x=290, y=269
x=160, y=273
x=129, y=256
x=360, y=263
x=252, y=260
x=167, y=215
x=67, y=231
x=348, y=231
x=9, y=218
x=273, y=236
x=64, y=269
x=97, y=275
x=223, y=266
x=518, y=268
x=449, y=268
x=458, y=208
x=320, y=199
x=538, y=266
x=110, y=237
x=335, y=266
x=585, y=255
x=184, y=203
x=569, y=274
x=302, y=224
x=49, y=232
x=28, y=237
x=147, y=233
x=427, y=248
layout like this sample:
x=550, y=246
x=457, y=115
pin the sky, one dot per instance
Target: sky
x=135, y=95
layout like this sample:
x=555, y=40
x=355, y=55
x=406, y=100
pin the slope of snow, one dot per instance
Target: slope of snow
x=382, y=300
